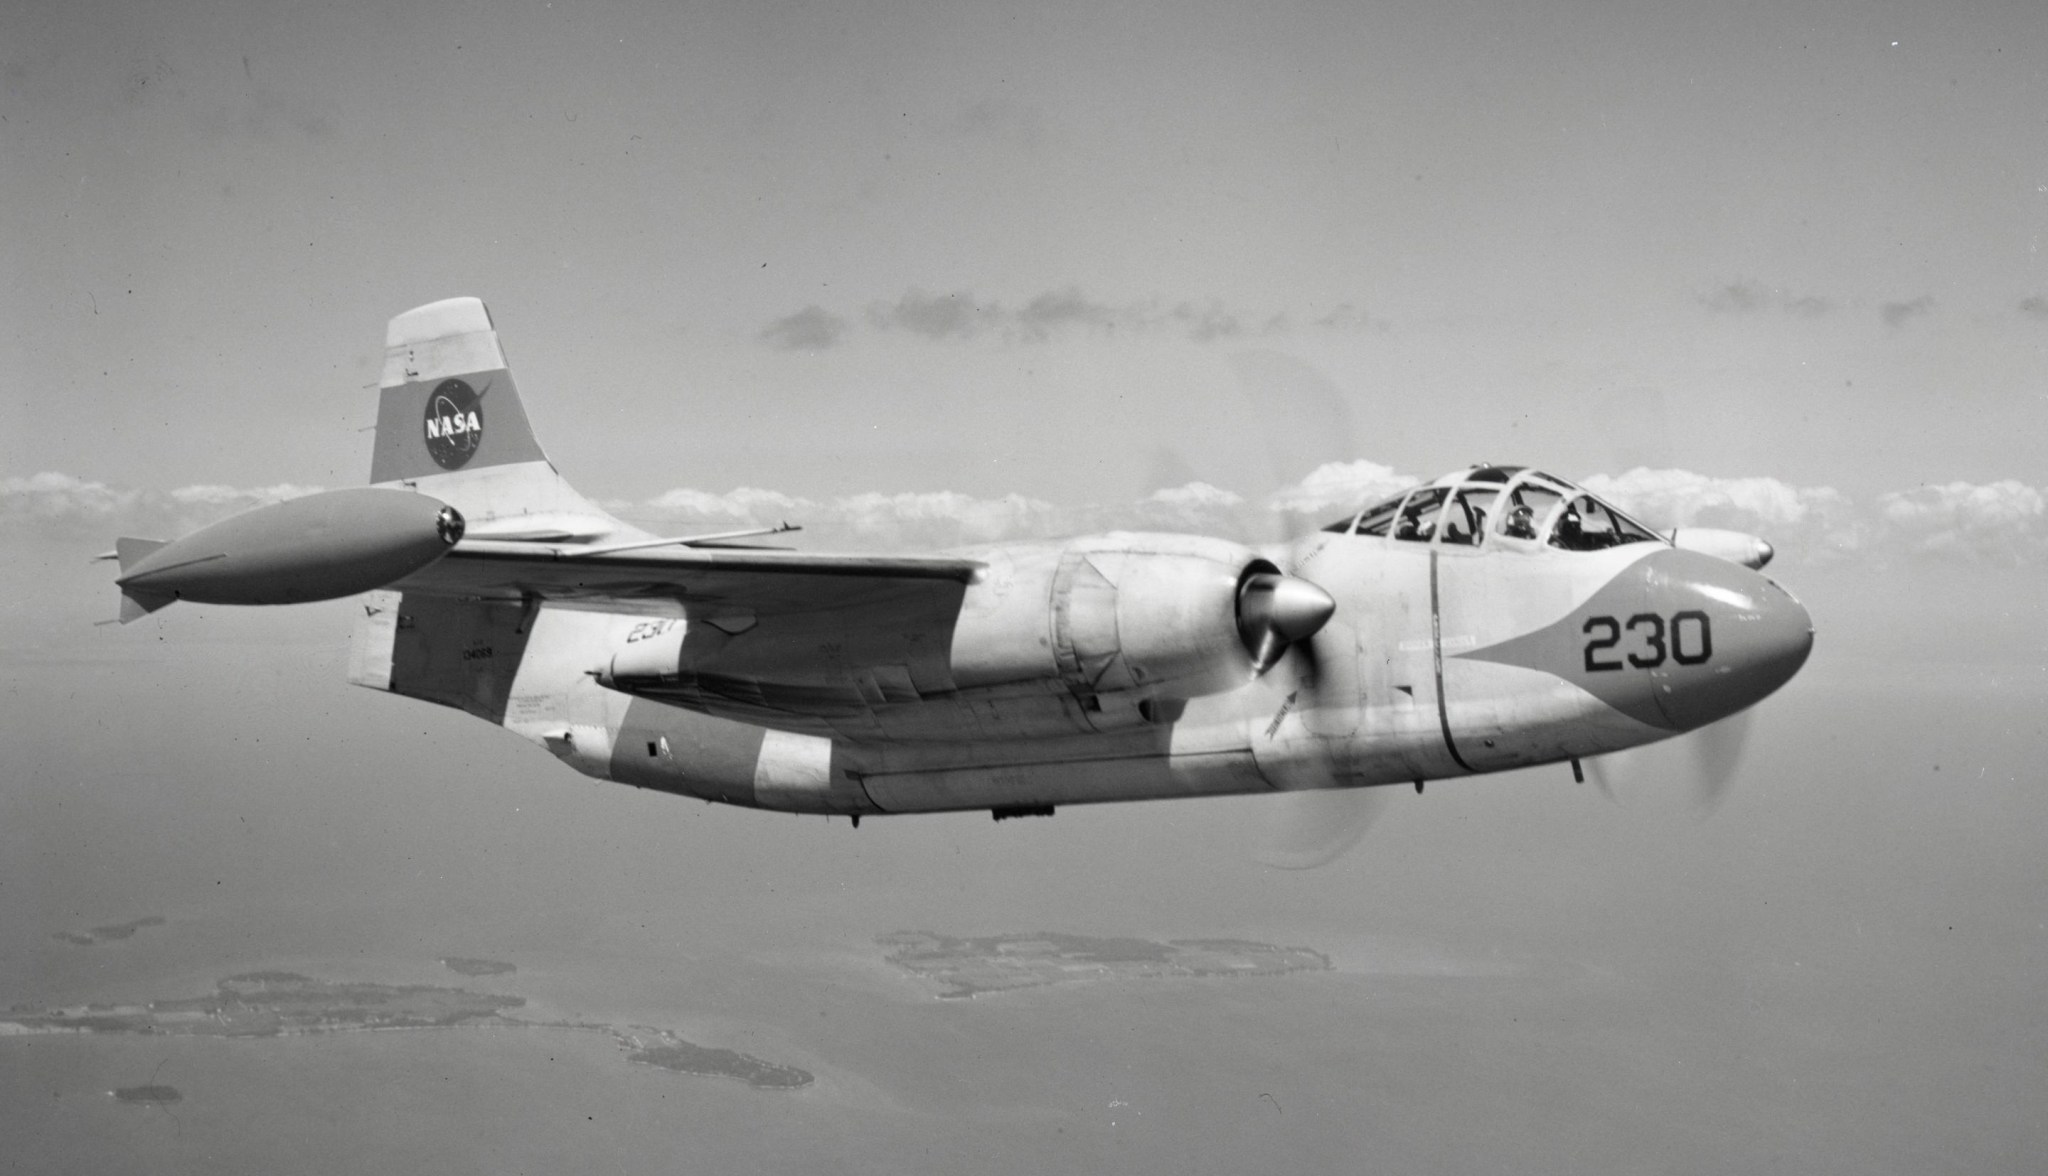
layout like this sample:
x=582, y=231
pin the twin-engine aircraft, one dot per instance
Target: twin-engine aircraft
x=1496, y=618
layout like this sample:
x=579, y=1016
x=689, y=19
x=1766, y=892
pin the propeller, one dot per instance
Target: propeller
x=1717, y=756
x=1275, y=611
x=1710, y=760
x=1314, y=828
x=1302, y=421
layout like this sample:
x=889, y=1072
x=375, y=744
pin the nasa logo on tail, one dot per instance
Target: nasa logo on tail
x=454, y=424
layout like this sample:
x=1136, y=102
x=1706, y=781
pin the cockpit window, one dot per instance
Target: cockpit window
x=1588, y=525
x=1529, y=508
x=1379, y=519
x=1465, y=519
x=1418, y=514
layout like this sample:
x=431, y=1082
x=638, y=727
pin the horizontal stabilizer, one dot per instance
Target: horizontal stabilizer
x=135, y=603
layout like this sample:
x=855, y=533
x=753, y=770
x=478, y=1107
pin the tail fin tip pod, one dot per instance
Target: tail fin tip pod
x=450, y=423
x=136, y=603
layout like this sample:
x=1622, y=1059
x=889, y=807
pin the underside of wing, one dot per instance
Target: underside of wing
x=772, y=636
x=694, y=582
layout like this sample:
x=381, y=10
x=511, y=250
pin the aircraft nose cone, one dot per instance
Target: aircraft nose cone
x=1735, y=636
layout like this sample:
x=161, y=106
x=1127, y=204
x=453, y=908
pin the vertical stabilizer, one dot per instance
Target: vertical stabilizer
x=130, y=551
x=450, y=424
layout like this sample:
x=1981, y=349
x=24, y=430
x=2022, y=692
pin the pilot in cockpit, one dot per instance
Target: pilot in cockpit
x=1413, y=527
x=1570, y=533
x=1521, y=520
x=1588, y=526
x=1418, y=517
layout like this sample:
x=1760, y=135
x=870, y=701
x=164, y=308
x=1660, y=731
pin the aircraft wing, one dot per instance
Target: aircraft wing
x=773, y=635
x=696, y=582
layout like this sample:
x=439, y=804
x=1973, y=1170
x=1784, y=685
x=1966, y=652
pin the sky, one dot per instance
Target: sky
x=1072, y=255
x=917, y=276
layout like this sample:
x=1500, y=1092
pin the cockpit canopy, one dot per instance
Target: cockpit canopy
x=1510, y=505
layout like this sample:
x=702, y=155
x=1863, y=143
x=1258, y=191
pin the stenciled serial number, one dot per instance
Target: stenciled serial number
x=1646, y=641
x=649, y=630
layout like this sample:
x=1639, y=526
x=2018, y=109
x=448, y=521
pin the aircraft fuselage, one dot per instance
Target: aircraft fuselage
x=1439, y=661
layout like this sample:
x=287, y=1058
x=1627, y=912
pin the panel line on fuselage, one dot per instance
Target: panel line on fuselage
x=1436, y=657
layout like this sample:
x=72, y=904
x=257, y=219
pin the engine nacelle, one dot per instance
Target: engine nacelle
x=1158, y=614
x=1160, y=621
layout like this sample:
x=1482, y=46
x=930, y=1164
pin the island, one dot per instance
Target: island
x=276, y=1004
x=108, y=933
x=474, y=967
x=967, y=967
x=670, y=1052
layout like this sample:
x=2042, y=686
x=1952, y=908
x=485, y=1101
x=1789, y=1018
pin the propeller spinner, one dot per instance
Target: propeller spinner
x=1276, y=610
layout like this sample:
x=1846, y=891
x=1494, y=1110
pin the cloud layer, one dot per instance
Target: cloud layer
x=962, y=314
x=1998, y=523
x=61, y=506
x=1747, y=297
x=2001, y=523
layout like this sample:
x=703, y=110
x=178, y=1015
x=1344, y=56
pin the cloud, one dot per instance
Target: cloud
x=50, y=499
x=1749, y=297
x=1195, y=496
x=959, y=315
x=1340, y=485
x=902, y=521
x=1346, y=316
x=938, y=516
x=1198, y=508
x=1819, y=521
x=1051, y=312
x=811, y=329
x=746, y=505
x=56, y=505
x=1998, y=522
x=962, y=314
x=1207, y=321
x=221, y=501
x=1898, y=314
x=1681, y=498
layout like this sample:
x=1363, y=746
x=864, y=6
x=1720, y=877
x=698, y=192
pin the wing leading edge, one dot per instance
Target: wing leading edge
x=764, y=583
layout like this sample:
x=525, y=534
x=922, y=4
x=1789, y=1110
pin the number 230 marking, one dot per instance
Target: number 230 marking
x=1687, y=640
